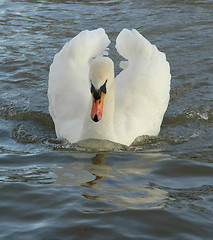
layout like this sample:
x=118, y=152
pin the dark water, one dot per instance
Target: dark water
x=160, y=188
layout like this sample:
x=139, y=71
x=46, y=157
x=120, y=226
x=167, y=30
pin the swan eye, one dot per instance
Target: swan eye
x=92, y=88
x=103, y=87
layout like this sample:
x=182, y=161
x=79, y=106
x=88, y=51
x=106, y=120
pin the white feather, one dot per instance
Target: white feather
x=141, y=89
x=69, y=86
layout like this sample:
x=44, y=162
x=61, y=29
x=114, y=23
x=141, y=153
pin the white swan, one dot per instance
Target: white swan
x=86, y=102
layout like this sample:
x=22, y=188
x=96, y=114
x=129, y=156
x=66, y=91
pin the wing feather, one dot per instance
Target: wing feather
x=142, y=88
x=69, y=87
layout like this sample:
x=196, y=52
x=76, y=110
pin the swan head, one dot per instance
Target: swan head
x=101, y=78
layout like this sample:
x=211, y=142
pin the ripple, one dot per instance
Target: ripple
x=30, y=174
x=158, y=188
x=194, y=114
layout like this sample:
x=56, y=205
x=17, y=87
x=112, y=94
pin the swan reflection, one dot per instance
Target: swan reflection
x=117, y=180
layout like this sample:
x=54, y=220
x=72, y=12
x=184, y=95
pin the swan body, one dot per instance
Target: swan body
x=87, y=102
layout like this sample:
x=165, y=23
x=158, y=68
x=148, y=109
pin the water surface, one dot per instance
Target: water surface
x=159, y=188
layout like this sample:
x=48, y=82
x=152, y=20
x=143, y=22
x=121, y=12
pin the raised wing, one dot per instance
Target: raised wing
x=142, y=88
x=69, y=88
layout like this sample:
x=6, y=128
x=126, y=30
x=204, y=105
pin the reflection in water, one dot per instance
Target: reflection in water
x=122, y=183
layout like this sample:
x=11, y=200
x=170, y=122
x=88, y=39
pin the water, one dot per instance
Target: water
x=159, y=188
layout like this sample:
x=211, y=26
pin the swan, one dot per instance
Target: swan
x=86, y=101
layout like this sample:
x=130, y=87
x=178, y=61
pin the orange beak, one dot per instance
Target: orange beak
x=97, y=107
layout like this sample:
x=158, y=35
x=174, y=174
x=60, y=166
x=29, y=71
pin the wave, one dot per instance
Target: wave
x=200, y=113
x=11, y=112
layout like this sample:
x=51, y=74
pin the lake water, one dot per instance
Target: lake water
x=160, y=188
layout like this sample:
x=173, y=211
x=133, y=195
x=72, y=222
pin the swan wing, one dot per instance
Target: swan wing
x=69, y=87
x=142, y=88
